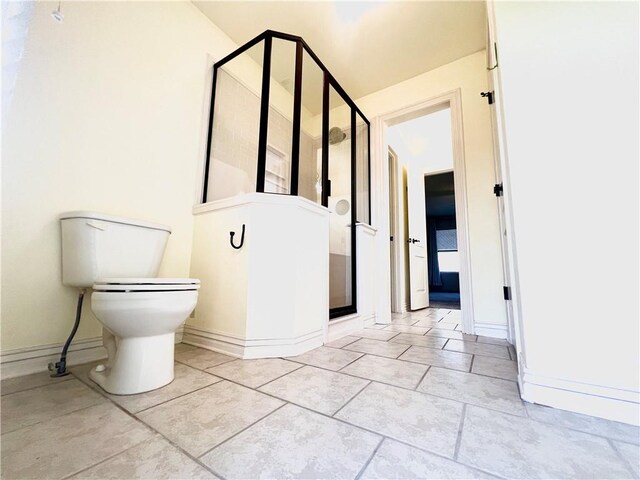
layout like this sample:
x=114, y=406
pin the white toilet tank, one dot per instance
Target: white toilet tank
x=97, y=246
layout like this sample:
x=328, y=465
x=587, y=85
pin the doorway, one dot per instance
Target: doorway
x=425, y=149
x=443, y=258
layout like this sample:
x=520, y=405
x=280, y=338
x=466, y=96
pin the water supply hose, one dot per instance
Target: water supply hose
x=61, y=366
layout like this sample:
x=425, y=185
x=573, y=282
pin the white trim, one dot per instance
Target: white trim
x=24, y=361
x=247, y=349
x=343, y=326
x=492, y=330
x=395, y=253
x=380, y=173
x=596, y=400
x=262, y=198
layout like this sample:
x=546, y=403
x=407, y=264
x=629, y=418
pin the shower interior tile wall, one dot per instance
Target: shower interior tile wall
x=235, y=141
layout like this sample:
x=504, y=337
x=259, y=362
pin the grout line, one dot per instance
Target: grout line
x=422, y=378
x=509, y=352
x=346, y=344
x=459, y=437
x=56, y=382
x=445, y=344
x=104, y=460
x=277, y=378
x=135, y=418
x=366, y=464
x=170, y=399
x=473, y=357
x=349, y=401
x=625, y=462
x=245, y=428
x=204, y=369
x=351, y=362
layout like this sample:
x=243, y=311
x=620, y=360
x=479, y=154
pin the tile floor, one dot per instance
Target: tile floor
x=414, y=399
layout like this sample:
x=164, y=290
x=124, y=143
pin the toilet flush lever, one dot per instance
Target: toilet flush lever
x=231, y=234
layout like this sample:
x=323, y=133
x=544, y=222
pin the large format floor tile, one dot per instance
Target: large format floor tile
x=515, y=447
x=403, y=320
x=493, y=393
x=315, y=388
x=326, y=357
x=201, y=420
x=478, y=348
x=18, y=384
x=154, y=459
x=32, y=406
x=294, y=443
x=422, y=420
x=376, y=347
x=492, y=341
x=200, y=358
x=387, y=370
x=186, y=380
x=341, y=342
x=450, y=333
x=631, y=454
x=585, y=423
x=439, y=358
x=407, y=329
x=254, y=373
x=495, y=367
x=67, y=444
x=421, y=340
x=395, y=460
x=374, y=334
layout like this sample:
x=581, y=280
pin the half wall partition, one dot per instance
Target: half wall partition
x=281, y=124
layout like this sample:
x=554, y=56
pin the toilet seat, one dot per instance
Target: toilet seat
x=146, y=284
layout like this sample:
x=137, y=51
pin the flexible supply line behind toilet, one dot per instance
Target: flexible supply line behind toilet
x=61, y=366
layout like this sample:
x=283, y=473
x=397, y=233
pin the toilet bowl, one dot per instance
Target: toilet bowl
x=140, y=316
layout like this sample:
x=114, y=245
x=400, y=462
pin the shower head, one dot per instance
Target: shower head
x=336, y=136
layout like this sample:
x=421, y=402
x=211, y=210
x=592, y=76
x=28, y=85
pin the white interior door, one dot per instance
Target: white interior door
x=498, y=148
x=417, y=242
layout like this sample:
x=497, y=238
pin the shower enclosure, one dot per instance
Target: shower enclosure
x=281, y=124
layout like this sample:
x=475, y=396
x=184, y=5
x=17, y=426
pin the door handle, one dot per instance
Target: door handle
x=413, y=240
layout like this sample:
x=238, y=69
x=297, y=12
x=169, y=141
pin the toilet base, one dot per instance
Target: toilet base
x=140, y=364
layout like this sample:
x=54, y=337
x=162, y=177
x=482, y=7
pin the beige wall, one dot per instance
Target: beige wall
x=569, y=74
x=469, y=75
x=107, y=115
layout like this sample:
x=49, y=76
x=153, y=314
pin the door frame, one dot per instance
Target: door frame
x=451, y=100
x=395, y=253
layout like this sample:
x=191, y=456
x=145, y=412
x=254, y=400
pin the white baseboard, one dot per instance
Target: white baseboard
x=598, y=401
x=491, y=330
x=24, y=361
x=247, y=349
x=343, y=326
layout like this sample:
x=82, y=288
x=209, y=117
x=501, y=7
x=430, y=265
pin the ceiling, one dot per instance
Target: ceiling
x=367, y=46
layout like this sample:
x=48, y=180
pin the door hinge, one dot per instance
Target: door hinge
x=391, y=238
x=488, y=95
x=506, y=292
x=498, y=190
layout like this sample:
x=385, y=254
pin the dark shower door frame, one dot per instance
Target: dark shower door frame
x=329, y=82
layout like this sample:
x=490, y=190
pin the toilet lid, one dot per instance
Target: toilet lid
x=146, y=284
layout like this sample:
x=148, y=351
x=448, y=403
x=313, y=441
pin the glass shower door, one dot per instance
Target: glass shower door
x=340, y=204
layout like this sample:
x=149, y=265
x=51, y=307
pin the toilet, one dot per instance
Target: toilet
x=119, y=258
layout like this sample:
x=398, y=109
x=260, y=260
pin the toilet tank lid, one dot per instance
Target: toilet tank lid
x=114, y=219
